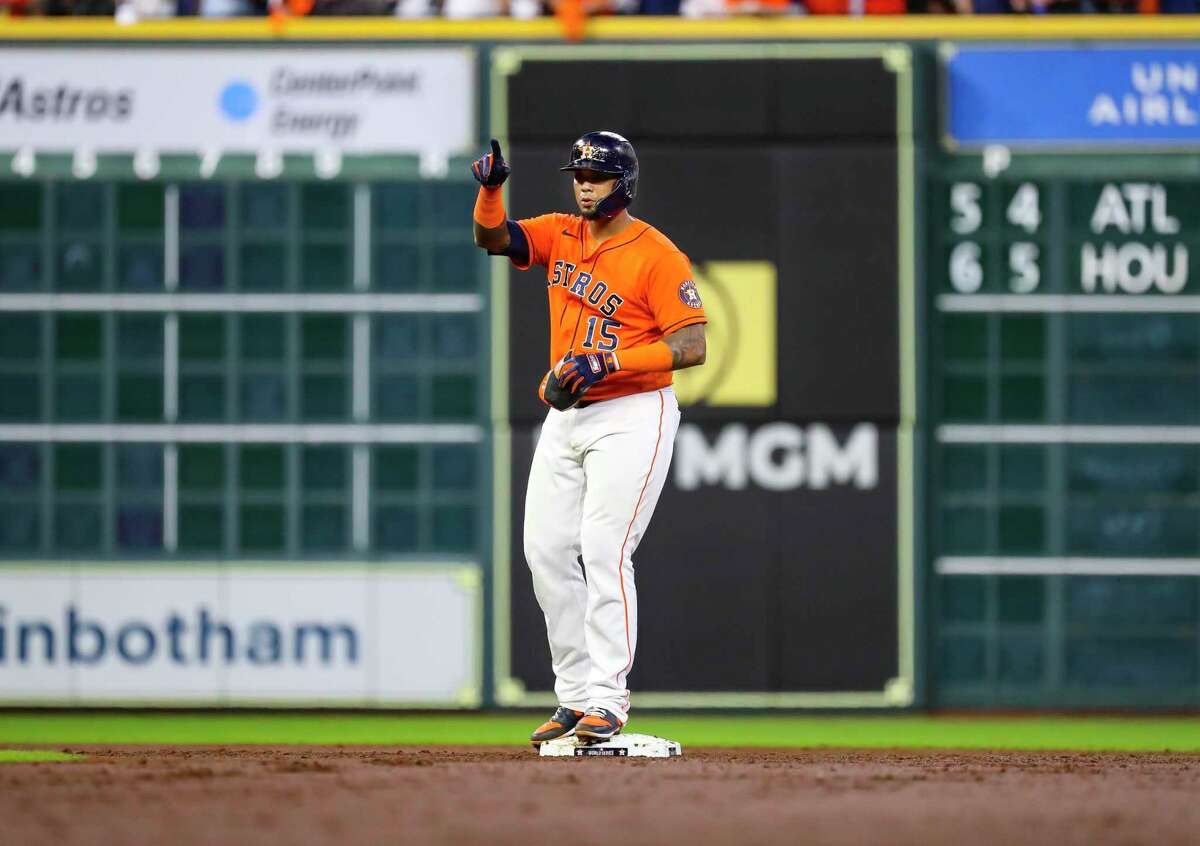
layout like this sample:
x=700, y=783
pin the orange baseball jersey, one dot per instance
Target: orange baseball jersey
x=627, y=291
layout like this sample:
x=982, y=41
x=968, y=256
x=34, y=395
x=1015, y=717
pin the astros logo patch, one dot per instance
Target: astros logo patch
x=689, y=295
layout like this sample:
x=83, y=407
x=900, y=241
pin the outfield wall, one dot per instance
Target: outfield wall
x=266, y=413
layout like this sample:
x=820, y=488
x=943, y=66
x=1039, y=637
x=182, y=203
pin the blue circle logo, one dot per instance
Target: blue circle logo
x=239, y=100
x=688, y=294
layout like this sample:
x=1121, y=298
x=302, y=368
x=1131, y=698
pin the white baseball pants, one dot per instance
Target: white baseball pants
x=596, y=476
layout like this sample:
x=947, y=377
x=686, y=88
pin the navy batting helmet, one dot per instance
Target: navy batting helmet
x=607, y=152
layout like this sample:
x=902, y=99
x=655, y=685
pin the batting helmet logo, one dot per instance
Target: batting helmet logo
x=589, y=151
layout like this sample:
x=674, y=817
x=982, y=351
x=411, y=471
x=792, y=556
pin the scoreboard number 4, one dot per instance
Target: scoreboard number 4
x=1023, y=210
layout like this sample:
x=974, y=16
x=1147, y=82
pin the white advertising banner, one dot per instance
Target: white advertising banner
x=87, y=634
x=224, y=99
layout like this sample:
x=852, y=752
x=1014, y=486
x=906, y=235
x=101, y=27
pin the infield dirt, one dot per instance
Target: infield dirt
x=349, y=795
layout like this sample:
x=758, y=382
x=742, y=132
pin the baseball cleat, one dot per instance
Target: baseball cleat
x=560, y=725
x=597, y=725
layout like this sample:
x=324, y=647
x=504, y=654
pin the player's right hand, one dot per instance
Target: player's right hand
x=491, y=170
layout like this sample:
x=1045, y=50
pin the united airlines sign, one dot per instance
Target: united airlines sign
x=1065, y=97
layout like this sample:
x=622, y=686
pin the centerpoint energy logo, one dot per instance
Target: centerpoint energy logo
x=324, y=103
x=739, y=299
x=289, y=81
x=239, y=100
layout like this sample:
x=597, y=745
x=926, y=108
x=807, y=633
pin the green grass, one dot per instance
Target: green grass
x=1033, y=732
x=24, y=756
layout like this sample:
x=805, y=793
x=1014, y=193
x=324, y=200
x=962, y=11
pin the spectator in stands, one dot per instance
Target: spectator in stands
x=705, y=8
x=221, y=8
x=856, y=7
x=469, y=8
x=129, y=11
x=352, y=8
x=715, y=8
x=1054, y=7
x=59, y=8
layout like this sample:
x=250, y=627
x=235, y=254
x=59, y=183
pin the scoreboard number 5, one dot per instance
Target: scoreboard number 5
x=964, y=203
x=1022, y=261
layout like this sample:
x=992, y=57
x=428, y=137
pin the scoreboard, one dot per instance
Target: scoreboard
x=1067, y=395
x=1120, y=235
x=1064, y=394
x=221, y=365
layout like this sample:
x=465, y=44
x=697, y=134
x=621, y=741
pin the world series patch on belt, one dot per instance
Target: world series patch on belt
x=624, y=314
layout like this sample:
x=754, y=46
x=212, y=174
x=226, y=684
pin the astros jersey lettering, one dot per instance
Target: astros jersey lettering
x=627, y=291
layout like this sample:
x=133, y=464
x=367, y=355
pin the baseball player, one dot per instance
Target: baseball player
x=624, y=313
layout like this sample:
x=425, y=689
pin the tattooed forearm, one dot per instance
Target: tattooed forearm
x=688, y=346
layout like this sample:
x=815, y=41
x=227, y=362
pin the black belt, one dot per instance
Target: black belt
x=586, y=403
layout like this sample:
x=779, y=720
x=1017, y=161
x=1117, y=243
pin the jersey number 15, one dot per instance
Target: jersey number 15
x=608, y=339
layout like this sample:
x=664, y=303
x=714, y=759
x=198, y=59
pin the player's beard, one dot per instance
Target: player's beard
x=594, y=212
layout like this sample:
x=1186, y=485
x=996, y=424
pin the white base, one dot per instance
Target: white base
x=621, y=746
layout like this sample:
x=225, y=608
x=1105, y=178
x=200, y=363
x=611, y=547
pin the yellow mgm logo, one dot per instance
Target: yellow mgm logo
x=739, y=299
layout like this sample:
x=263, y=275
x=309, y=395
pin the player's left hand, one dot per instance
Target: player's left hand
x=580, y=372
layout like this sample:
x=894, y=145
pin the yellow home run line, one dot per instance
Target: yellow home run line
x=1170, y=27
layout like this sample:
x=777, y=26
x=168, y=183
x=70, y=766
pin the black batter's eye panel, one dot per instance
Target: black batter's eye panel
x=792, y=594
x=743, y=101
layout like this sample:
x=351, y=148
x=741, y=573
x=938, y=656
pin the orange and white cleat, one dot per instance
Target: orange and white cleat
x=562, y=724
x=597, y=725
